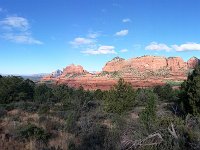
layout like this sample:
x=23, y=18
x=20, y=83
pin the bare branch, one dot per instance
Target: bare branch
x=151, y=140
x=172, y=131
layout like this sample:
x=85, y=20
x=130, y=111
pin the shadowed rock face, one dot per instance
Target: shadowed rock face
x=145, y=71
x=192, y=62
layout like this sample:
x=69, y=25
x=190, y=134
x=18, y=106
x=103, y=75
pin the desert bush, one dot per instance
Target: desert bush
x=72, y=145
x=166, y=93
x=42, y=93
x=3, y=112
x=98, y=94
x=186, y=131
x=120, y=99
x=93, y=138
x=14, y=89
x=27, y=106
x=148, y=115
x=142, y=96
x=44, y=109
x=61, y=92
x=52, y=125
x=61, y=114
x=71, y=122
x=112, y=140
x=31, y=131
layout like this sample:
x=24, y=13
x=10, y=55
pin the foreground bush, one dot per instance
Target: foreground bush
x=120, y=99
x=32, y=132
x=148, y=115
x=190, y=96
x=14, y=89
x=166, y=93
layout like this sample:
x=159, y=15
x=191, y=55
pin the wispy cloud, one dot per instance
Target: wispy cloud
x=15, y=22
x=125, y=20
x=93, y=35
x=17, y=29
x=25, y=39
x=179, y=48
x=187, y=47
x=81, y=41
x=158, y=47
x=123, y=50
x=89, y=45
x=122, y=33
x=101, y=50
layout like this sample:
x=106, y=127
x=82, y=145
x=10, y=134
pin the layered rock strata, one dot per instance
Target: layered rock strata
x=145, y=71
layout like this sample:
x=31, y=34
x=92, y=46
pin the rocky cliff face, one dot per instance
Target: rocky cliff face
x=115, y=64
x=73, y=69
x=142, y=71
x=151, y=63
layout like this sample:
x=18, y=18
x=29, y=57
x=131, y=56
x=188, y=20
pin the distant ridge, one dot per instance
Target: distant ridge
x=144, y=71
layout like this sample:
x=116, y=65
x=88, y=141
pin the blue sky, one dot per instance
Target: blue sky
x=40, y=36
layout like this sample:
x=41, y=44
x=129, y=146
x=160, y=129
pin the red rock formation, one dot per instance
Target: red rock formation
x=147, y=63
x=176, y=64
x=143, y=71
x=73, y=69
x=192, y=62
x=115, y=64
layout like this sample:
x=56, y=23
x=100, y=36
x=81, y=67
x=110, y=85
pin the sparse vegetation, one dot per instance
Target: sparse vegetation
x=59, y=117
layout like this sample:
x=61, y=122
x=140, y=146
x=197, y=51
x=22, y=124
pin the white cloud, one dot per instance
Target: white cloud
x=101, y=50
x=187, y=47
x=19, y=30
x=81, y=41
x=126, y=20
x=25, y=39
x=122, y=33
x=158, y=47
x=15, y=22
x=124, y=50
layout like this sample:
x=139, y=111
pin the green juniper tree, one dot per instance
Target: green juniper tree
x=148, y=115
x=190, y=96
x=120, y=98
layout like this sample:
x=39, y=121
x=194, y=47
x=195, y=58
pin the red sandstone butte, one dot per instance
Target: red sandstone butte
x=73, y=69
x=145, y=71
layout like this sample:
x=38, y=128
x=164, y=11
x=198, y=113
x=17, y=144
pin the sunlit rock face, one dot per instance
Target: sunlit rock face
x=115, y=64
x=141, y=72
x=73, y=69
